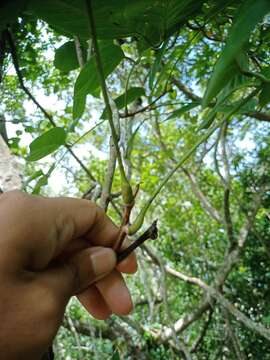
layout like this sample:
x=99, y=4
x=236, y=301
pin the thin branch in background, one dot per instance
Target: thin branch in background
x=75, y=334
x=79, y=52
x=147, y=286
x=30, y=95
x=227, y=186
x=258, y=115
x=206, y=205
x=178, y=342
x=20, y=77
x=140, y=218
x=203, y=154
x=128, y=79
x=86, y=170
x=204, y=201
x=219, y=351
x=221, y=275
x=216, y=161
x=181, y=324
x=233, y=337
x=83, y=328
x=250, y=324
x=198, y=342
x=226, y=164
x=145, y=108
x=87, y=194
x=184, y=89
x=175, y=342
x=116, y=208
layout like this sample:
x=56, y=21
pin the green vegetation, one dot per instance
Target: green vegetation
x=155, y=110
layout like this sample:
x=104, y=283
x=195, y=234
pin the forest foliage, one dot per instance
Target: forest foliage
x=153, y=109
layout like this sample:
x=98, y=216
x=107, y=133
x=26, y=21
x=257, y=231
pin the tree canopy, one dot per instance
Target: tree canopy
x=154, y=110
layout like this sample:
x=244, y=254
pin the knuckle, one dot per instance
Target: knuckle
x=66, y=227
x=94, y=208
x=100, y=213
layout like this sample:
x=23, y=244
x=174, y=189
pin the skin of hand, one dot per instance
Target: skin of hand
x=52, y=249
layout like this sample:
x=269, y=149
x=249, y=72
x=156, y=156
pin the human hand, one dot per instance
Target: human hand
x=52, y=249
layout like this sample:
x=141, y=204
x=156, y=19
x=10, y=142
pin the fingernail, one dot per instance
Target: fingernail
x=103, y=261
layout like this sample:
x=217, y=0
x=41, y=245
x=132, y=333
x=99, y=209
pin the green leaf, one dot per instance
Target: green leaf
x=210, y=116
x=182, y=110
x=43, y=181
x=47, y=143
x=116, y=355
x=34, y=176
x=66, y=58
x=208, y=119
x=151, y=21
x=264, y=97
x=131, y=95
x=266, y=320
x=9, y=12
x=249, y=15
x=156, y=66
x=88, y=79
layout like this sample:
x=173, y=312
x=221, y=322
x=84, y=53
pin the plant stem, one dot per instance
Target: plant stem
x=140, y=218
x=104, y=88
x=150, y=233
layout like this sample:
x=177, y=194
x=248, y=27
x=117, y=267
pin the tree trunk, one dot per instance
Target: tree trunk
x=9, y=169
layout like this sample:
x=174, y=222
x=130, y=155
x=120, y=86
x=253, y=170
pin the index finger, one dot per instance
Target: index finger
x=41, y=228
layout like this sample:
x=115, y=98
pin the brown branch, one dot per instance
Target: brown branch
x=115, y=207
x=258, y=115
x=150, y=233
x=216, y=161
x=233, y=338
x=230, y=260
x=252, y=325
x=184, y=89
x=145, y=108
x=204, y=201
x=143, y=302
x=198, y=342
x=83, y=328
x=86, y=170
x=227, y=185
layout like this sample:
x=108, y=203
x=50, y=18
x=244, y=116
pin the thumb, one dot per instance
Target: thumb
x=80, y=271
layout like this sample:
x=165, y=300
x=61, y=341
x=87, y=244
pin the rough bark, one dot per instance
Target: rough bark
x=9, y=169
